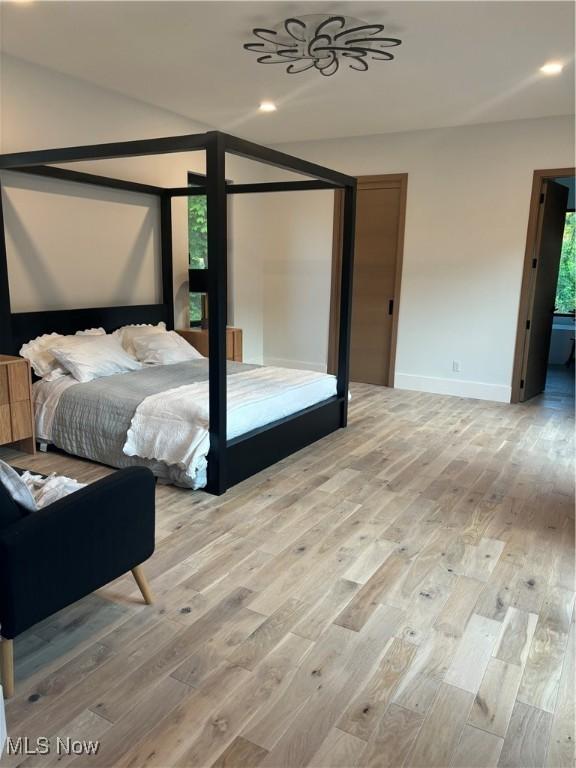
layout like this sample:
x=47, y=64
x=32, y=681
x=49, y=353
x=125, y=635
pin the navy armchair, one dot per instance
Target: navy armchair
x=53, y=557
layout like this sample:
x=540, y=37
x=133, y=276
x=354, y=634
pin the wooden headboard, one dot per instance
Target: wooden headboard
x=28, y=325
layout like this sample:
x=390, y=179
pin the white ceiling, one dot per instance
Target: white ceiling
x=460, y=62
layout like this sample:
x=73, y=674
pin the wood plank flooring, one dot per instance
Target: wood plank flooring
x=398, y=594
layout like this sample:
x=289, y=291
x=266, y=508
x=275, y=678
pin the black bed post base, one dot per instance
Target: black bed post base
x=228, y=462
x=251, y=453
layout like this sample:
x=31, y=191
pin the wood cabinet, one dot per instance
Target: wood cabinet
x=16, y=416
x=198, y=337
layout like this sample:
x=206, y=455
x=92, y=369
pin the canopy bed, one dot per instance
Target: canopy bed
x=231, y=459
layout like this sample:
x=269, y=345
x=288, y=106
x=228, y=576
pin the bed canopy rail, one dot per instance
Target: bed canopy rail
x=199, y=181
x=229, y=461
x=268, y=186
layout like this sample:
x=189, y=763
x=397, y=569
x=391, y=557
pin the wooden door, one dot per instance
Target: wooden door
x=546, y=266
x=380, y=211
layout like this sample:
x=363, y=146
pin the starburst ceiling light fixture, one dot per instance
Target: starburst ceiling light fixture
x=323, y=43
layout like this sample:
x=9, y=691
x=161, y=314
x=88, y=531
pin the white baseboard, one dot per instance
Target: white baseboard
x=475, y=389
x=304, y=365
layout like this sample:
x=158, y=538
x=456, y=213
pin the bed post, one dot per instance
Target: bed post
x=349, y=223
x=166, y=254
x=5, y=311
x=228, y=462
x=217, y=308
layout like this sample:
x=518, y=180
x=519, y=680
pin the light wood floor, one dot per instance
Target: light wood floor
x=399, y=594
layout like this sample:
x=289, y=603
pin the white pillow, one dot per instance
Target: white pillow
x=43, y=363
x=90, y=357
x=164, y=349
x=91, y=332
x=38, y=353
x=127, y=333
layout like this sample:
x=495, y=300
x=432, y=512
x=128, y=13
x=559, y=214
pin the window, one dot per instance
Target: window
x=566, y=288
x=197, y=249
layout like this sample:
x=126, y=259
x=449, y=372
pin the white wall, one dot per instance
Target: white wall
x=247, y=246
x=74, y=246
x=467, y=212
x=297, y=281
x=70, y=245
x=468, y=198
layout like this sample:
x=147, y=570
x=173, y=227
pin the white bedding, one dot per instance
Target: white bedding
x=46, y=396
x=172, y=427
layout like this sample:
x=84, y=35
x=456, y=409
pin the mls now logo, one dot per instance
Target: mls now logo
x=43, y=746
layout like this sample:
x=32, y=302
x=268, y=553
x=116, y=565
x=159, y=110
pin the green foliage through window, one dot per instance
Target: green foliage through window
x=197, y=247
x=195, y=304
x=566, y=289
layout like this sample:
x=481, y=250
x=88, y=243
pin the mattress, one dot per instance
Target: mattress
x=158, y=416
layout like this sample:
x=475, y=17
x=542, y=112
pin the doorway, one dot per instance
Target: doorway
x=379, y=244
x=544, y=355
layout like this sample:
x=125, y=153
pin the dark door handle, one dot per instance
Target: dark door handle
x=390, y=306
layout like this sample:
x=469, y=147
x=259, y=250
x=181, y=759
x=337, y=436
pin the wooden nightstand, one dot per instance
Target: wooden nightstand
x=198, y=337
x=16, y=418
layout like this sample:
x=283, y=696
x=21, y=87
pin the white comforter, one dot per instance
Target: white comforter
x=173, y=426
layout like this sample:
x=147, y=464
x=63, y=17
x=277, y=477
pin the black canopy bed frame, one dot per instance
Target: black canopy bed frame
x=229, y=461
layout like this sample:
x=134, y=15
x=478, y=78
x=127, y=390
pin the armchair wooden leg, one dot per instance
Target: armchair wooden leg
x=7, y=666
x=143, y=585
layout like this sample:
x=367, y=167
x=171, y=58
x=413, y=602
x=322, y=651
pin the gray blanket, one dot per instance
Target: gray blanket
x=92, y=419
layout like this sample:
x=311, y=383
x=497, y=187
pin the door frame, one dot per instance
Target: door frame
x=379, y=181
x=525, y=305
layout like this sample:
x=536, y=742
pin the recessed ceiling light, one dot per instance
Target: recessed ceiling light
x=552, y=68
x=267, y=106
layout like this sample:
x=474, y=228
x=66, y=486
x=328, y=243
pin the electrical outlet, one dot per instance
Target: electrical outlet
x=456, y=366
